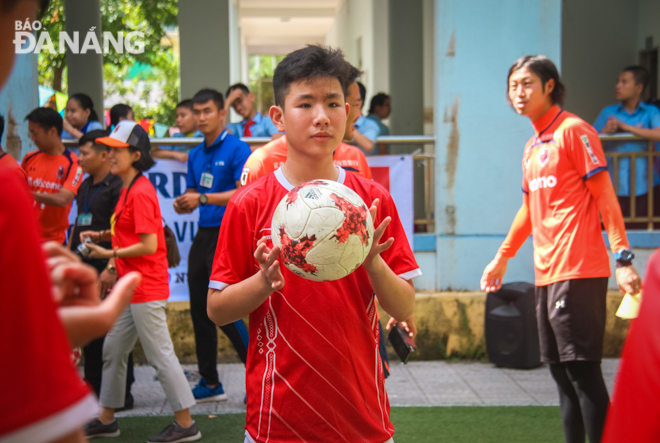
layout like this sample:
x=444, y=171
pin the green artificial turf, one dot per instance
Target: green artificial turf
x=459, y=424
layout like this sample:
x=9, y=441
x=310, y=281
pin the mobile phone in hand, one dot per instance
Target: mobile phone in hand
x=402, y=343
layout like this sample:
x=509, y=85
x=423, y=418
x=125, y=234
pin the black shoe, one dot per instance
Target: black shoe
x=97, y=429
x=174, y=433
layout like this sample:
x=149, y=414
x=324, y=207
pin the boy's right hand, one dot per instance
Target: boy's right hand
x=491, y=280
x=269, y=265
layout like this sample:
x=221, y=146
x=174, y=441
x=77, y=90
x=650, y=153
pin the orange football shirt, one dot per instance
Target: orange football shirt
x=271, y=156
x=47, y=174
x=8, y=162
x=568, y=243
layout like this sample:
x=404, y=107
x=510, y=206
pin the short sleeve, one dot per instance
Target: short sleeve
x=601, y=121
x=94, y=125
x=585, y=150
x=654, y=117
x=191, y=183
x=399, y=257
x=234, y=129
x=74, y=179
x=269, y=126
x=369, y=129
x=233, y=261
x=241, y=155
x=146, y=213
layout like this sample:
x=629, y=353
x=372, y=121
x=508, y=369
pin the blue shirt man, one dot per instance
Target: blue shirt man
x=213, y=169
x=368, y=128
x=254, y=124
x=383, y=130
x=638, y=118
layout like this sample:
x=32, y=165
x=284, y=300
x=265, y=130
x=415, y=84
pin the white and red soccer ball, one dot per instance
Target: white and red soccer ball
x=324, y=230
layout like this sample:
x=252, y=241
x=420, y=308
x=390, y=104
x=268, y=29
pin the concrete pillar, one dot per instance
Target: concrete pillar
x=19, y=96
x=406, y=67
x=85, y=71
x=204, y=32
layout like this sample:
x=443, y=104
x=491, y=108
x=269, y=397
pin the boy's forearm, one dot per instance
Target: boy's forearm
x=396, y=295
x=237, y=301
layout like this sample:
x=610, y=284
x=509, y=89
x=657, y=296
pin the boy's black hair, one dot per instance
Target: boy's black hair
x=86, y=103
x=91, y=136
x=363, y=92
x=205, y=95
x=543, y=67
x=119, y=111
x=187, y=103
x=377, y=100
x=2, y=125
x=240, y=86
x=640, y=74
x=46, y=118
x=312, y=61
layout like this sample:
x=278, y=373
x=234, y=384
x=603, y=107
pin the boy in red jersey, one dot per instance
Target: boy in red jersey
x=313, y=371
x=565, y=186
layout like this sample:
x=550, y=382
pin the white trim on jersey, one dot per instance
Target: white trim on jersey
x=411, y=274
x=288, y=186
x=214, y=284
x=57, y=425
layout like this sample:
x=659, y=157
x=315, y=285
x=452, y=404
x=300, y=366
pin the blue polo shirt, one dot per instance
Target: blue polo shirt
x=90, y=126
x=383, y=130
x=369, y=129
x=183, y=148
x=645, y=116
x=262, y=127
x=224, y=159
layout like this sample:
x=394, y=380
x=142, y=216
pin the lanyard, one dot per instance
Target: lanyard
x=88, y=206
x=209, y=161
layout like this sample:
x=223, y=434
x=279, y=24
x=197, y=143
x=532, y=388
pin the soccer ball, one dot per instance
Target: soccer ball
x=324, y=230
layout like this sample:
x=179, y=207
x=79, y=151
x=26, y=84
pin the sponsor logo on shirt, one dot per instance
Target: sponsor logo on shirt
x=244, y=176
x=542, y=183
x=77, y=177
x=560, y=304
x=220, y=163
x=60, y=172
x=590, y=151
x=41, y=183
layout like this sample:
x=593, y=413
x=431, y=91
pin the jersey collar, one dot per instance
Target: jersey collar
x=288, y=186
x=543, y=124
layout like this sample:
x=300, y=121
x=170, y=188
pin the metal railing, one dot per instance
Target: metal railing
x=614, y=159
x=423, y=169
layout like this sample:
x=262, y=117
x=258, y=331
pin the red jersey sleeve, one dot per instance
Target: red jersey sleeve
x=253, y=168
x=399, y=257
x=234, y=254
x=74, y=178
x=584, y=149
x=146, y=213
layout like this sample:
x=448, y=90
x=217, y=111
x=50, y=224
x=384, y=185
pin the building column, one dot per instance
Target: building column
x=85, y=71
x=406, y=68
x=204, y=32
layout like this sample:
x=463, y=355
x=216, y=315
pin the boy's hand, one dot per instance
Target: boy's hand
x=376, y=247
x=491, y=280
x=269, y=265
x=628, y=280
x=408, y=325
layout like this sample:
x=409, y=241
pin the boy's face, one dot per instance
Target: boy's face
x=185, y=120
x=353, y=100
x=244, y=104
x=314, y=116
x=208, y=117
x=528, y=95
x=42, y=138
x=91, y=160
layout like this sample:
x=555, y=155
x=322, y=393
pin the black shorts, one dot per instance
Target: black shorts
x=571, y=319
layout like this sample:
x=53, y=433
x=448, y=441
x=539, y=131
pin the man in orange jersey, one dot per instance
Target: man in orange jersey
x=267, y=159
x=6, y=160
x=565, y=186
x=53, y=172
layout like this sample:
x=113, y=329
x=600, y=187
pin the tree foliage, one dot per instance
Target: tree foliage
x=152, y=18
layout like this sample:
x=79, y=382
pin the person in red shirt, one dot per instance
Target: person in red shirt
x=635, y=412
x=53, y=173
x=302, y=384
x=138, y=244
x=565, y=186
x=6, y=160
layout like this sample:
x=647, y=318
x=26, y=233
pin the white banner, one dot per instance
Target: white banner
x=395, y=173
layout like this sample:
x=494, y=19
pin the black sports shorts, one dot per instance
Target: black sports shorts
x=571, y=319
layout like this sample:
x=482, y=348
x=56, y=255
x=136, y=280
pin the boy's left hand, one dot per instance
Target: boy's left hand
x=376, y=247
x=408, y=325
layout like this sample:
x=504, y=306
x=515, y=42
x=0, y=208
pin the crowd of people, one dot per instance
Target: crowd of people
x=106, y=285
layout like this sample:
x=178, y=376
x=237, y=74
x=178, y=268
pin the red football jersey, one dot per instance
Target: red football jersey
x=8, y=162
x=568, y=242
x=141, y=215
x=47, y=174
x=634, y=415
x=43, y=398
x=313, y=371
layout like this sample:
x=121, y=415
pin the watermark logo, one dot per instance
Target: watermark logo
x=26, y=41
